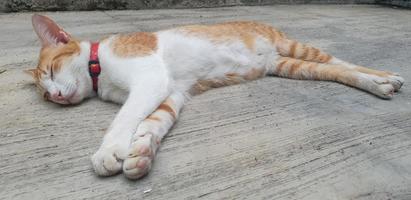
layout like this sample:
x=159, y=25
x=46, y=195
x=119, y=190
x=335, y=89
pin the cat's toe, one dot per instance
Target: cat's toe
x=385, y=91
x=140, y=157
x=380, y=86
x=396, y=81
x=137, y=167
x=106, y=162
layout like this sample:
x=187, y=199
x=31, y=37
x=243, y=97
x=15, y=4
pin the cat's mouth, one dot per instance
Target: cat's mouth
x=65, y=100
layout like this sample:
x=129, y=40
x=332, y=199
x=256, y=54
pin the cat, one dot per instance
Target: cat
x=154, y=74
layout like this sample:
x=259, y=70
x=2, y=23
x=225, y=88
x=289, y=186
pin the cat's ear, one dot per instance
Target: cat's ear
x=48, y=31
x=31, y=72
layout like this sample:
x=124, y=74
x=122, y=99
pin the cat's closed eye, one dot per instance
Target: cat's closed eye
x=51, y=73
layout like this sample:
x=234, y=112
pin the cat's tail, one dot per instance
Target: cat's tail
x=294, y=49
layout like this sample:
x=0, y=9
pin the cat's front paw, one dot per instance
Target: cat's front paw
x=140, y=156
x=107, y=161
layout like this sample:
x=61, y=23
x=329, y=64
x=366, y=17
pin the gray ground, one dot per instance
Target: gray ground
x=269, y=139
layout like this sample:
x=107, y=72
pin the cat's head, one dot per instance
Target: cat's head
x=61, y=74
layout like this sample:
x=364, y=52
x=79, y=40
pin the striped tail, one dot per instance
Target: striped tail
x=294, y=49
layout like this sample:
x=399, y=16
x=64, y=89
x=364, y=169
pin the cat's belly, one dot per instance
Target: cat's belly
x=190, y=59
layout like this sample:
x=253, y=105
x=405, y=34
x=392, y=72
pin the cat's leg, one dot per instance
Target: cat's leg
x=393, y=78
x=294, y=49
x=143, y=99
x=147, y=138
x=299, y=69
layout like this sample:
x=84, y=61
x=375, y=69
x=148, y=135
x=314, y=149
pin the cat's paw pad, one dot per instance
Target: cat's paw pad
x=106, y=161
x=396, y=81
x=380, y=86
x=140, y=157
x=385, y=90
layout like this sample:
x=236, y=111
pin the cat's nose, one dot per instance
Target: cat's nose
x=57, y=96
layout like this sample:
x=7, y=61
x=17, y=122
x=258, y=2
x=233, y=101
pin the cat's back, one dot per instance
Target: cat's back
x=136, y=44
x=244, y=30
x=240, y=33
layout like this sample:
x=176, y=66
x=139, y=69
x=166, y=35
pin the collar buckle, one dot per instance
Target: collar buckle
x=94, y=68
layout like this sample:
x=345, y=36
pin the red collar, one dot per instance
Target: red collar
x=94, y=65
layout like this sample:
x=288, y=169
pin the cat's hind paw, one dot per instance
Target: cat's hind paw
x=140, y=157
x=383, y=87
x=396, y=81
x=106, y=162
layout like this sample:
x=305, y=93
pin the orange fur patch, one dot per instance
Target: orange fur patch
x=373, y=72
x=311, y=67
x=305, y=53
x=280, y=66
x=154, y=118
x=135, y=44
x=254, y=74
x=53, y=57
x=207, y=84
x=294, y=49
x=166, y=106
x=294, y=67
x=299, y=69
x=244, y=31
x=229, y=79
x=325, y=58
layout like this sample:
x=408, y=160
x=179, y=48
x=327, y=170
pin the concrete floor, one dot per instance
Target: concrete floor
x=269, y=139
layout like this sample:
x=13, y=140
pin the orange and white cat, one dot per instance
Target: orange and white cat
x=153, y=74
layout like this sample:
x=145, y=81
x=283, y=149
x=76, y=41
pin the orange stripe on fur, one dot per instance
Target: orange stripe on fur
x=293, y=48
x=299, y=69
x=305, y=53
x=316, y=52
x=154, y=118
x=244, y=31
x=311, y=68
x=135, y=44
x=229, y=79
x=254, y=74
x=327, y=58
x=373, y=72
x=294, y=67
x=167, y=108
x=54, y=56
x=280, y=66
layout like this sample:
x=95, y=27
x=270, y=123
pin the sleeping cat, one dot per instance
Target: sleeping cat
x=153, y=75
